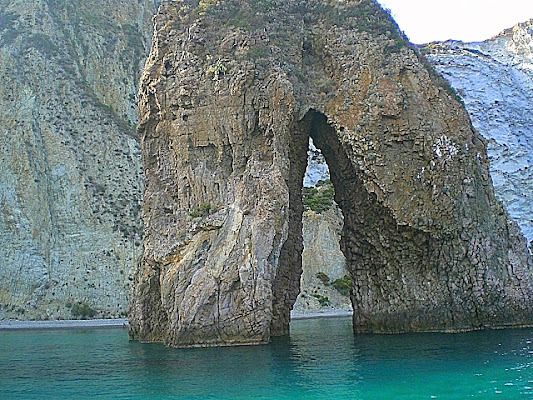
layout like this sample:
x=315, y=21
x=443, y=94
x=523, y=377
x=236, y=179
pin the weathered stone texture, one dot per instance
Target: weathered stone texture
x=495, y=80
x=70, y=173
x=231, y=92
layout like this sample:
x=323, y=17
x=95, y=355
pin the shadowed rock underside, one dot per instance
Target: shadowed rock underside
x=230, y=95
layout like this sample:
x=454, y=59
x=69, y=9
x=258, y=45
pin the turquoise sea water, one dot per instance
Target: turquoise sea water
x=321, y=359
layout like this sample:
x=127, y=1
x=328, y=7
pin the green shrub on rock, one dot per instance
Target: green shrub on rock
x=323, y=300
x=318, y=199
x=82, y=310
x=343, y=285
x=202, y=210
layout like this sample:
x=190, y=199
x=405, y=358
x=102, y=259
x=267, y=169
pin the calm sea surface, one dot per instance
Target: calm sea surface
x=321, y=359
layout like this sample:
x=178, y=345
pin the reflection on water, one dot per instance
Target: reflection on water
x=321, y=359
x=318, y=344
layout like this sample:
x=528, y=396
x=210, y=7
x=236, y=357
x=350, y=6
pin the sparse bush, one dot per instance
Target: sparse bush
x=216, y=69
x=82, y=310
x=202, y=210
x=436, y=75
x=322, y=300
x=203, y=5
x=343, y=285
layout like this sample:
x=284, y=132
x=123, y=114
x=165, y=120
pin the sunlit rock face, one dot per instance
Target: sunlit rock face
x=495, y=80
x=324, y=284
x=70, y=171
x=229, y=97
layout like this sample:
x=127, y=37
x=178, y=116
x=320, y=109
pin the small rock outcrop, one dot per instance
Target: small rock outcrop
x=230, y=95
x=495, y=80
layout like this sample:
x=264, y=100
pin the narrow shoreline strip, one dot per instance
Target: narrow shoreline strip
x=65, y=323
x=296, y=315
x=123, y=322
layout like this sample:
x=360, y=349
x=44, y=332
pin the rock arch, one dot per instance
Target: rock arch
x=225, y=116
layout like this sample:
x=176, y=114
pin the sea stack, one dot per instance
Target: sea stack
x=230, y=95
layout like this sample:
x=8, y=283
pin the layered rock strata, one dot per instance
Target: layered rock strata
x=70, y=171
x=495, y=80
x=231, y=93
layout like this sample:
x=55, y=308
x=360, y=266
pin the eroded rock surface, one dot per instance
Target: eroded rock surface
x=70, y=171
x=495, y=80
x=230, y=94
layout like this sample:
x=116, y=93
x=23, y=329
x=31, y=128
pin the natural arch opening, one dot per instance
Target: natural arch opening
x=375, y=246
x=325, y=283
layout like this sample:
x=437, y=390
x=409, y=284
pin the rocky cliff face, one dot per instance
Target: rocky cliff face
x=324, y=283
x=495, y=80
x=70, y=175
x=83, y=59
x=231, y=93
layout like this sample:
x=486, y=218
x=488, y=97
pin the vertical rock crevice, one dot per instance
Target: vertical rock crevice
x=378, y=250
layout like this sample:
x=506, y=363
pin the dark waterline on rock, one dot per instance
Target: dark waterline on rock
x=321, y=359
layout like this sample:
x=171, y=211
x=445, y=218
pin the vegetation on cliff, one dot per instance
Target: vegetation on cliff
x=320, y=197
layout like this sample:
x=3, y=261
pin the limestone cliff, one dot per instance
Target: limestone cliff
x=495, y=80
x=231, y=93
x=70, y=175
x=323, y=284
